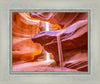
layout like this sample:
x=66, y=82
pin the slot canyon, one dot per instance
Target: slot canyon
x=49, y=41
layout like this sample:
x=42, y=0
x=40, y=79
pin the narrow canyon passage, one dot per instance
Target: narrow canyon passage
x=50, y=42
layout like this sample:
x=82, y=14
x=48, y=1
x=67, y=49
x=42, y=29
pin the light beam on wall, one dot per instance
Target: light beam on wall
x=47, y=54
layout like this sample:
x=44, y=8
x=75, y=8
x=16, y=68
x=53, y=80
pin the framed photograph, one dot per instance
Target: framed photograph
x=50, y=41
x=44, y=43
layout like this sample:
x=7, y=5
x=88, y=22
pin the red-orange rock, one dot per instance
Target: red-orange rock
x=23, y=29
x=26, y=50
x=73, y=39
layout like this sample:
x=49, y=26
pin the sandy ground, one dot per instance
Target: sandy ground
x=44, y=66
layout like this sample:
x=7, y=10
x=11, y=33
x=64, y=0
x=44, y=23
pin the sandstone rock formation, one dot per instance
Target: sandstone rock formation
x=64, y=19
x=29, y=36
x=73, y=39
x=23, y=29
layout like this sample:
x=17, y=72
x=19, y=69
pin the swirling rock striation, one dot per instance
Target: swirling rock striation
x=74, y=43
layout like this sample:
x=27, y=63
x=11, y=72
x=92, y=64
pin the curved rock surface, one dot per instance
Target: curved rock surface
x=23, y=29
x=64, y=19
x=73, y=39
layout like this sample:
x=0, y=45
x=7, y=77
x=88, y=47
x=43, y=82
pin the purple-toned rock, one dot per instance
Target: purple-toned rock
x=64, y=19
x=74, y=40
x=72, y=37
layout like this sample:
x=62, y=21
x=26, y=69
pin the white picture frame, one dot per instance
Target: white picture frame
x=8, y=77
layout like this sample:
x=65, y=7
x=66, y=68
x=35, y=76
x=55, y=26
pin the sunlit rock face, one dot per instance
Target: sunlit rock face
x=23, y=29
x=73, y=39
x=52, y=27
x=24, y=26
x=30, y=38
